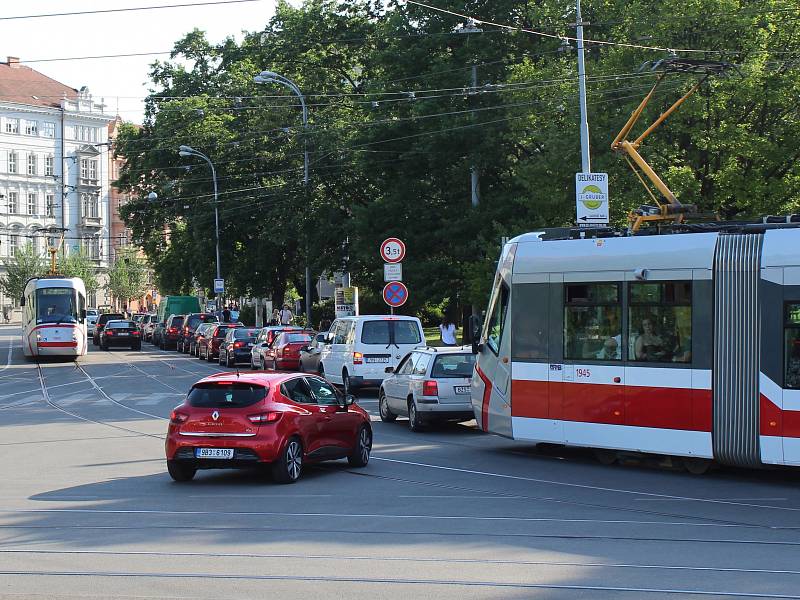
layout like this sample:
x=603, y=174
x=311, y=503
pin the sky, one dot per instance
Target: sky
x=123, y=82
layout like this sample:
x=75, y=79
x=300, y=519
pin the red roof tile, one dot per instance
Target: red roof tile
x=23, y=85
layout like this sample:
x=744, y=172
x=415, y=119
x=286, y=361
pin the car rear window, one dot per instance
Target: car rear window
x=453, y=365
x=232, y=395
x=241, y=333
x=177, y=321
x=122, y=325
x=293, y=338
x=380, y=332
x=110, y=317
x=221, y=332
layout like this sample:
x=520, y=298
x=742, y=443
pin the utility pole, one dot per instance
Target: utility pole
x=474, y=172
x=585, y=160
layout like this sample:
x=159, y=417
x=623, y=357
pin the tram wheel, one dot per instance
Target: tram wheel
x=697, y=466
x=605, y=457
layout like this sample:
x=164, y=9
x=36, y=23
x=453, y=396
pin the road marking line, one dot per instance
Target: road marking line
x=581, y=486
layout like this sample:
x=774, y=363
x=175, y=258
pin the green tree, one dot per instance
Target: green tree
x=127, y=277
x=78, y=264
x=25, y=263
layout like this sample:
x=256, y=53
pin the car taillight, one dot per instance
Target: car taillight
x=430, y=388
x=173, y=330
x=268, y=417
x=109, y=332
x=135, y=332
x=238, y=344
x=177, y=418
x=358, y=358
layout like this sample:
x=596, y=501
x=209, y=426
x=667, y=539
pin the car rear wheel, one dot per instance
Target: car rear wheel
x=414, y=421
x=220, y=359
x=180, y=471
x=136, y=347
x=209, y=355
x=387, y=416
x=289, y=467
x=103, y=346
x=359, y=457
x=228, y=362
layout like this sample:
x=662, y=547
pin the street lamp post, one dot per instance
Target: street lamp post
x=269, y=77
x=186, y=151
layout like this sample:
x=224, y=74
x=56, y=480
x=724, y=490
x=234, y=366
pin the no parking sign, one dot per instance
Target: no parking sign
x=395, y=294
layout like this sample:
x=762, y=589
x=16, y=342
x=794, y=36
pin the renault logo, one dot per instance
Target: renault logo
x=215, y=415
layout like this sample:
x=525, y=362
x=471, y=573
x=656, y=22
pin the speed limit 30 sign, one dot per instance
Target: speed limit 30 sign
x=393, y=250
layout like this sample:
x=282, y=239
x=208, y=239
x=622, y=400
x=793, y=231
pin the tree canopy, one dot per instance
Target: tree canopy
x=25, y=263
x=396, y=125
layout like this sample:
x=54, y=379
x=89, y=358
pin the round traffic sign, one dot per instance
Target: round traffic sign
x=393, y=250
x=395, y=293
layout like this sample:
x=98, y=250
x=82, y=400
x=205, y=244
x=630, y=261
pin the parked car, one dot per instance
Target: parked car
x=208, y=348
x=360, y=348
x=284, y=353
x=429, y=384
x=147, y=325
x=236, y=345
x=101, y=322
x=309, y=354
x=264, y=340
x=171, y=332
x=92, y=315
x=158, y=332
x=121, y=333
x=190, y=323
x=270, y=420
x=203, y=330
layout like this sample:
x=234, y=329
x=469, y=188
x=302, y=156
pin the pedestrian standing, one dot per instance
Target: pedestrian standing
x=275, y=319
x=286, y=315
x=226, y=315
x=447, y=331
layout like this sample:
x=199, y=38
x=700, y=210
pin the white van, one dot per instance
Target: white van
x=359, y=349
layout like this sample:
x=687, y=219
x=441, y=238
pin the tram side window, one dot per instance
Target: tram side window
x=660, y=321
x=497, y=319
x=592, y=321
x=530, y=316
x=791, y=338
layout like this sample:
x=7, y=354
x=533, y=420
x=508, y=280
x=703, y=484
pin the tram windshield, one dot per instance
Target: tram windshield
x=56, y=305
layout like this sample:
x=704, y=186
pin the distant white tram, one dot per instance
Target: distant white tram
x=684, y=344
x=54, y=317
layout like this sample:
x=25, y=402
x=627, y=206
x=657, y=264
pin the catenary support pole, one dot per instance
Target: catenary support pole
x=586, y=166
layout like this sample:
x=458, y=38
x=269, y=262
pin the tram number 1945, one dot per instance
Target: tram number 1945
x=584, y=373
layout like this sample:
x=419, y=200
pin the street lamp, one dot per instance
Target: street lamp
x=270, y=77
x=186, y=151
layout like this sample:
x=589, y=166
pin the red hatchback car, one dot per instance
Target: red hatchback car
x=284, y=353
x=276, y=420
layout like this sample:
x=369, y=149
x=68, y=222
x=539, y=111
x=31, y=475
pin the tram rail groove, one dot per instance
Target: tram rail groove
x=398, y=581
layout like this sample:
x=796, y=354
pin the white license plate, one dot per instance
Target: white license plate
x=378, y=359
x=462, y=389
x=213, y=452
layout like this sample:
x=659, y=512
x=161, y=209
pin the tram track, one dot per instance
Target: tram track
x=397, y=581
x=398, y=559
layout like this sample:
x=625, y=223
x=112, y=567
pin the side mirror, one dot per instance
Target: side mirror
x=349, y=399
x=83, y=314
x=389, y=370
x=305, y=349
x=477, y=347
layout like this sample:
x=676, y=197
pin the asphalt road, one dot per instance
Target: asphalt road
x=87, y=509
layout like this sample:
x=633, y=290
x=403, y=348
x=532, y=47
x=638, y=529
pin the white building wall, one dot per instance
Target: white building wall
x=85, y=127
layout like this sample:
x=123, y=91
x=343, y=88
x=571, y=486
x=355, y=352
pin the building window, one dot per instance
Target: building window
x=660, y=321
x=90, y=206
x=12, y=125
x=50, y=205
x=71, y=132
x=32, y=202
x=12, y=162
x=592, y=321
x=91, y=247
x=48, y=129
x=32, y=164
x=13, y=203
x=49, y=163
x=31, y=127
x=88, y=168
x=13, y=244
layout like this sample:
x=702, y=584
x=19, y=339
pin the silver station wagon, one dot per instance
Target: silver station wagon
x=428, y=385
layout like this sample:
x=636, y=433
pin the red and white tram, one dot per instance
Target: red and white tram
x=54, y=317
x=684, y=344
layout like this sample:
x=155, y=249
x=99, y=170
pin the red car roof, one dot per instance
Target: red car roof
x=260, y=378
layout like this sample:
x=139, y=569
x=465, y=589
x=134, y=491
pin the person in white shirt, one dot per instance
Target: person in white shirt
x=447, y=331
x=286, y=315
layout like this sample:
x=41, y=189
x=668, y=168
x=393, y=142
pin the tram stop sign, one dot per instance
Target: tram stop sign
x=395, y=294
